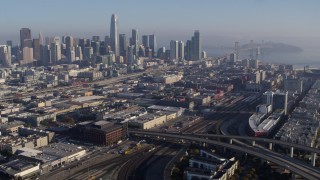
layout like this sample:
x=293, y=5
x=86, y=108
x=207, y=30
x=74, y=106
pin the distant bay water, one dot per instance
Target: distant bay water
x=310, y=57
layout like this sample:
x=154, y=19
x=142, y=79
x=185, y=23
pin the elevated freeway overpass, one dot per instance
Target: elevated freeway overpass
x=305, y=170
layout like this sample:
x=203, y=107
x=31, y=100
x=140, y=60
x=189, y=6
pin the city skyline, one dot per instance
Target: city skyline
x=209, y=89
x=218, y=21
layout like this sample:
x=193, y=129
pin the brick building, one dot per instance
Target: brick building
x=100, y=132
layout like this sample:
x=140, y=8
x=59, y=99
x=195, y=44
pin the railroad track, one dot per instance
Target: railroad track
x=132, y=164
x=204, y=124
x=134, y=169
x=97, y=169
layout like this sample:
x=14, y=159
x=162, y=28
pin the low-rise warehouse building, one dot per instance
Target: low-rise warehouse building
x=19, y=169
x=148, y=121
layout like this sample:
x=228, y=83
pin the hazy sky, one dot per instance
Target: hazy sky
x=219, y=21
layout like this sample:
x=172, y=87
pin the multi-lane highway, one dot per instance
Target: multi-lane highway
x=300, y=168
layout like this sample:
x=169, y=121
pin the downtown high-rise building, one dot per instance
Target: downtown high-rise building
x=27, y=52
x=79, y=55
x=82, y=43
x=174, y=50
x=123, y=45
x=25, y=33
x=114, y=34
x=145, y=41
x=71, y=54
x=135, y=42
x=153, y=44
x=27, y=56
x=96, y=47
x=5, y=55
x=181, y=50
x=46, y=55
x=196, y=46
x=87, y=53
x=188, y=50
x=36, y=49
x=131, y=56
x=161, y=53
x=55, y=52
x=41, y=44
x=69, y=42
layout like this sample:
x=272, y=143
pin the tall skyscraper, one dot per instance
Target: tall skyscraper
x=196, y=46
x=28, y=43
x=82, y=43
x=188, y=50
x=123, y=46
x=145, y=41
x=79, y=55
x=174, y=48
x=27, y=52
x=46, y=55
x=25, y=33
x=69, y=41
x=5, y=55
x=87, y=53
x=41, y=44
x=87, y=43
x=55, y=50
x=70, y=52
x=134, y=42
x=27, y=56
x=153, y=44
x=96, y=47
x=131, y=56
x=114, y=34
x=71, y=55
x=36, y=49
x=181, y=50
x=161, y=53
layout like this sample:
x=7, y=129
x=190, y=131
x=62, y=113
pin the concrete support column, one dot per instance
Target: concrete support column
x=253, y=143
x=291, y=152
x=313, y=159
x=293, y=177
x=270, y=146
x=230, y=141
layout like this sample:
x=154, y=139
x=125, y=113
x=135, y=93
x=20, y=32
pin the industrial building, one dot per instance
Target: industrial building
x=19, y=169
x=210, y=166
x=100, y=132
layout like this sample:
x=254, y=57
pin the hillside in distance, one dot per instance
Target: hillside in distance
x=272, y=47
